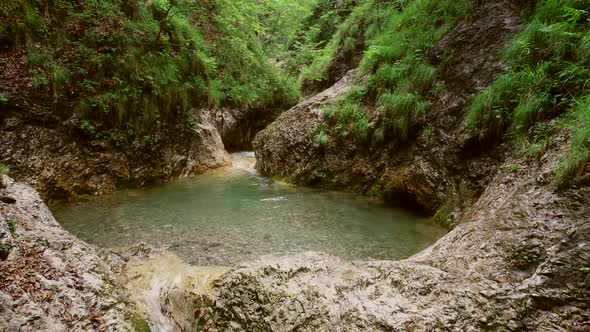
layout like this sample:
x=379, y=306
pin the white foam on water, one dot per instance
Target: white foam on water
x=151, y=302
x=244, y=161
x=274, y=199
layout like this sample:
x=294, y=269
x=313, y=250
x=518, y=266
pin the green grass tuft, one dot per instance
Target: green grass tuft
x=13, y=225
x=579, y=156
x=321, y=137
x=4, y=97
x=399, y=35
x=550, y=71
x=4, y=169
x=401, y=112
x=349, y=114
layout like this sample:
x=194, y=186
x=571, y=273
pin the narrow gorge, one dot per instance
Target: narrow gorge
x=320, y=165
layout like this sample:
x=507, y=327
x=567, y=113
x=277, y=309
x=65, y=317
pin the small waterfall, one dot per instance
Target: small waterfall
x=167, y=290
x=151, y=299
x=244, y=161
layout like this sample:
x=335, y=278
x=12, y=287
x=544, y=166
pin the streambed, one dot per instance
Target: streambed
x=233, y=214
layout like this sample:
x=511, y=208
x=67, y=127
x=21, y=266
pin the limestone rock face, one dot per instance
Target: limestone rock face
x=49, y=280
x=62, y=162
x=238, y=127
x=287, y=147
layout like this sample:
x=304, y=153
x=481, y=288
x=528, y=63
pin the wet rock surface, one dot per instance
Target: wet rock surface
x=238, y=127
x=172, y=294
x=63, y=163
x=512, y=264
x=49, y=280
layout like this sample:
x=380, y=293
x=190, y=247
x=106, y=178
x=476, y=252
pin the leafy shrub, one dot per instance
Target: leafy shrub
x=87, y=127
x=321, y=137
x=135, y=64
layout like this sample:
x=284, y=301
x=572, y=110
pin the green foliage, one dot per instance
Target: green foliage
x=318, y=68
x=409, y=74
x=12, y=225
x=550, y=71
x=38, y=79
x=443, y=215
x=489, y=108
x=403, y=78
x=7, y=7
x=529, y=259
x=135, y=64
x=579, y=156
x=321, y=137
x=369, y=18
x=59, y=75
x=4, y=97
x=342, y=180
x=38, y=57
x=412, y=31
x=537, y=144
x=428, y=131
x=307, y=50
x=87, y=127
x=139, y=324
x=401, y=111
x=376, y=190
x=349, y=114
x=345, y=36
x=4, y=169
x=399, y=35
